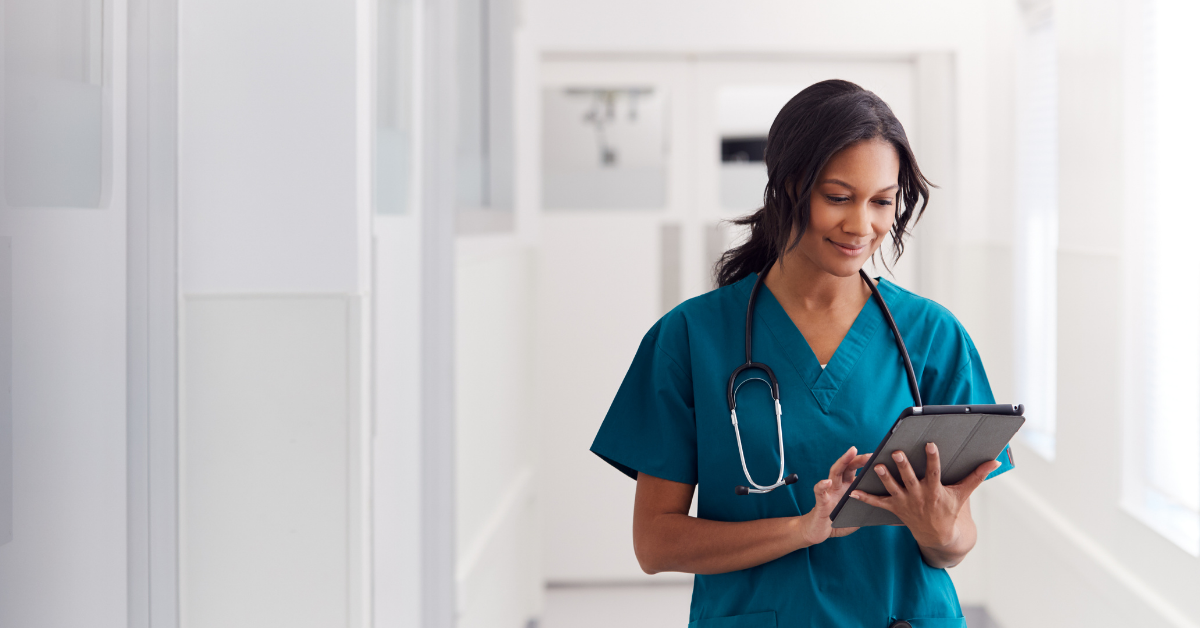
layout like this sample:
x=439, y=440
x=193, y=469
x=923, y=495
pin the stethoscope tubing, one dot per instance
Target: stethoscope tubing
x=733, y=385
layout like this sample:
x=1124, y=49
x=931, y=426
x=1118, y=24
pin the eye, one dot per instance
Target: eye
x=886, y=202
x=836, y=199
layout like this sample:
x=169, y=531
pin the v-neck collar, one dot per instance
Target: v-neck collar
x=822, y=383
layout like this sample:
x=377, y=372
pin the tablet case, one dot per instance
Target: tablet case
x=966, y=437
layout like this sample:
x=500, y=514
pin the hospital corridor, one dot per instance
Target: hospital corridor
x=580, y=313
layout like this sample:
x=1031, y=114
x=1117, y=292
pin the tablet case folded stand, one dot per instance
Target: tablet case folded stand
x=966, y=437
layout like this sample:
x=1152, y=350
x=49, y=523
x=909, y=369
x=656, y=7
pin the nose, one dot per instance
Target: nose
x=858, y=221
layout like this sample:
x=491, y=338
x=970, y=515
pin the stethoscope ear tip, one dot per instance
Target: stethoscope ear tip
x=741, y=490
x=791, y=479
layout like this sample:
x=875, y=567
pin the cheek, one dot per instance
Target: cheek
x=883, y=220
x=821, y=217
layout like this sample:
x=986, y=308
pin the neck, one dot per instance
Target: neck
x=796, y=280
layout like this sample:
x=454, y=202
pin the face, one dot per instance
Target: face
x=853, y=207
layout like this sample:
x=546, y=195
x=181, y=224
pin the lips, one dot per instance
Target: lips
x=849, y=249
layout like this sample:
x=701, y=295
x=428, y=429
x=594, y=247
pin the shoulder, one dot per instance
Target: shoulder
x=709, y=315
x=928, y=326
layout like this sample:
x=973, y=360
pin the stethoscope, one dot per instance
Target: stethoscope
x=774, y=384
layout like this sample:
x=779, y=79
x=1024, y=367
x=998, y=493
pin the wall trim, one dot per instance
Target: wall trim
x=438, y=212
x=152, y=315
x=608, y=56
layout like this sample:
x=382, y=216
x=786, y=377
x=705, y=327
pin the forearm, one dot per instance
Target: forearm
x=678, y=542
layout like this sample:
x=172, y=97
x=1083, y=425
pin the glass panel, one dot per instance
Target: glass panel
x=743, y=175
x=744, y=116
x=393, y=115
x=604, y=148
x=1037, y=241
x=472, y=176
x=1173, y=438
x=53, y=103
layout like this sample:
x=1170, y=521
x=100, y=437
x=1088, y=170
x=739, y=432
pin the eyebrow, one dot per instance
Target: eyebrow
x=851, y=187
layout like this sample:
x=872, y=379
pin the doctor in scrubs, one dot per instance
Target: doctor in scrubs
x=842, y=181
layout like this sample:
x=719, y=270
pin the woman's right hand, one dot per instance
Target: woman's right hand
x=816, y=526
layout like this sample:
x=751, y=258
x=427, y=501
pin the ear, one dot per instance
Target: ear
x=790, y=185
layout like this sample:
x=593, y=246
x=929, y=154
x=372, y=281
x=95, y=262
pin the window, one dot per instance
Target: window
x=55, y=117
x=604, y=147
x=1163, y=478
x=484, y=148
x=1037, y=229
x=393, y=108
x=744, y=116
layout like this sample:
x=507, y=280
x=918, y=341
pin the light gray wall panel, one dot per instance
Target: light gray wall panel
x=267, y=507
x=6, y=444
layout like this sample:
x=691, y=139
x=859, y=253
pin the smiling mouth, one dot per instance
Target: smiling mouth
x=849, y=249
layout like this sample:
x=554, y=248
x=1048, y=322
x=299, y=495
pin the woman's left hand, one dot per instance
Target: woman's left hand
x=929, y=509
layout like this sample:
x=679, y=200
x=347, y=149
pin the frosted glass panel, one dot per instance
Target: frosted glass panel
x=604, y=148
x=472, y=177
x=1173, y=437
x=744, y=116
x=742, y=185
x=1037, y=242
x=53, y=103
x=393, y=115
x=484, y=178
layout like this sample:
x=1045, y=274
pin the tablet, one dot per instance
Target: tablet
x=966, y=437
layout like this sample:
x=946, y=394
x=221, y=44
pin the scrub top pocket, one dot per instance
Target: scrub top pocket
x=765, y=619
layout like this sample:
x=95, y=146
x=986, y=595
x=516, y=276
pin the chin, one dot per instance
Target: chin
x=844, y=268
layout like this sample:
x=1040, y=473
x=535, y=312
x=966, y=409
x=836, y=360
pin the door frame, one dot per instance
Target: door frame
x=152, y=296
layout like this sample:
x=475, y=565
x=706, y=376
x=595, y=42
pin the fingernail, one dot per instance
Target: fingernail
x=930, y=448
x=880, y=469
x=898, y=456
x=855, y=495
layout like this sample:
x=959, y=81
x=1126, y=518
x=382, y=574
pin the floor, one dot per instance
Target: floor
x=644, y=607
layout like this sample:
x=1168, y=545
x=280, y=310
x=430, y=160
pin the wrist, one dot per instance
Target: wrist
x=943, y=541
x=806, y=530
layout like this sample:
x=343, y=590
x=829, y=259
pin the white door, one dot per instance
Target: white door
x=606, y=274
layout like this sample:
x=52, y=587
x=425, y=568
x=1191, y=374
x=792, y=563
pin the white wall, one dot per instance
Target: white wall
x=269, y=161
x=396, y=420
x=275, y=262
x=498, y=568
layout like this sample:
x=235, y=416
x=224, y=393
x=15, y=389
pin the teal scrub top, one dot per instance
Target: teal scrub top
x=670, y=419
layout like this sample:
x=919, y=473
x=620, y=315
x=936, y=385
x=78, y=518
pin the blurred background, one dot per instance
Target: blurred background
x=311, y=309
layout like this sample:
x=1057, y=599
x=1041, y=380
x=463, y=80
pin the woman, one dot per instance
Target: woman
x=841, y=179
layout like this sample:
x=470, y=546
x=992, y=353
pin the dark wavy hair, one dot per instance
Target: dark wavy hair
x=811, y=128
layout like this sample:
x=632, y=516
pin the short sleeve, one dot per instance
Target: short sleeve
x=651, y=425
x=970, y=386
